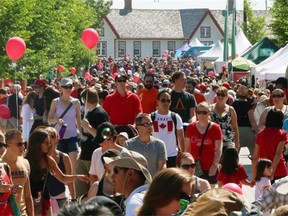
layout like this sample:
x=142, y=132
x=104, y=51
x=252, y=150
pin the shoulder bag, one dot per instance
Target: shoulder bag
x=198, y=168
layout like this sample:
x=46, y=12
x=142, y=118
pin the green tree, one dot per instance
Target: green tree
x=279, y=24
x=253, y=26
x=52, y=31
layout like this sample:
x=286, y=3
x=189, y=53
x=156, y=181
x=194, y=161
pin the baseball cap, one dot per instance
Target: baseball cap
x=105, y=131
x=66, y=81
x=132, y=160
x=41, y=83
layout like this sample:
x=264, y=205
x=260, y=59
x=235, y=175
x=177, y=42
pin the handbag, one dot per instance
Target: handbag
x=63, y=114
x=198, y=167
x=39, y=201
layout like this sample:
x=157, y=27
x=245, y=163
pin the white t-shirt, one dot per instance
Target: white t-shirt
x=260, y=185
x=164, y=129
x=97, y=167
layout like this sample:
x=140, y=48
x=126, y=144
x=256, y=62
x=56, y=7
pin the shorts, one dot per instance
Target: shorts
x=210, y=179
x=68, y=145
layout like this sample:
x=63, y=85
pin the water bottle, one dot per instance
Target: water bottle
x=62, y=131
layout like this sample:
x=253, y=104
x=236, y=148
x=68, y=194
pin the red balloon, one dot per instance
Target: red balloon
x=4, y=111
x=72, y=70
x=233, y=187
x=90, y=38
x=60, y=68
x=15, y=48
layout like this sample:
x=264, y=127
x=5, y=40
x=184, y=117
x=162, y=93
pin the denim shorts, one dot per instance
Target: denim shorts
x=68, y=145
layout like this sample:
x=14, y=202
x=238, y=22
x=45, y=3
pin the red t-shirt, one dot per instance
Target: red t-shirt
x=208, y=150
x=148, y=99
x=267, y=141
x=236, y=177
x=199, y=97
x=122, y=110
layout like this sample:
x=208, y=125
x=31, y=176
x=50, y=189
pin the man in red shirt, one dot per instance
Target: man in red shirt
x=122, y=105
x=148, y=95
x=3, y=96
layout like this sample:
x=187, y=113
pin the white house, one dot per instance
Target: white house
x=148, y=32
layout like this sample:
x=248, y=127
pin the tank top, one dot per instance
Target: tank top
x=56, y=187
x=69, y=118
x=225, y=124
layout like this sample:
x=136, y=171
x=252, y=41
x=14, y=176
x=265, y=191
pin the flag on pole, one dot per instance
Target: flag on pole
x=233, y=45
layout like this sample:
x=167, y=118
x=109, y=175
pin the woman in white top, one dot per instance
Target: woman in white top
x=27, y=114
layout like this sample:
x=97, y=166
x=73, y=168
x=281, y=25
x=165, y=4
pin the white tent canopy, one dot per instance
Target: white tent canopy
x=195, y=42
x=215, y=53
x=241, y=42
x=273, y=67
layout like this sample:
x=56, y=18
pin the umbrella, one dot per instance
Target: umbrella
x=243, y=64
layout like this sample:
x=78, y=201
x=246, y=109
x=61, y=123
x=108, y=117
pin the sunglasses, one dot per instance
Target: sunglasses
x=165, y=100
x=2, y=145
x=278, y=95
x=201, y=112
x=67, y=87
x=123, y=81
x=146, y=124
x=221, y=95
x=116, y=170
x=20, y=144
x=187, y=166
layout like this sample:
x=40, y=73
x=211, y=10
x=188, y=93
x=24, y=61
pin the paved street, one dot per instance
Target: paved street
x=246, y=162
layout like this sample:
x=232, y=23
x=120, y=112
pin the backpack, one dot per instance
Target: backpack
x=174, y=119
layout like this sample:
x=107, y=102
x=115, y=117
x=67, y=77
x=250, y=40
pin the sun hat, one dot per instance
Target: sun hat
x=131, y=160
x=217, y=201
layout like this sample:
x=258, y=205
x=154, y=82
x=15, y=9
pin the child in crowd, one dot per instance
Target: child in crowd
x=231, y=170
x=263, y=175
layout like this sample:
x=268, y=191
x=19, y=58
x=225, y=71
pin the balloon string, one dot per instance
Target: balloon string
x=17, y=95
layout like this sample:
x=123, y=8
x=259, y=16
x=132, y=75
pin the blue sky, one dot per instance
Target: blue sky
x=185, y=4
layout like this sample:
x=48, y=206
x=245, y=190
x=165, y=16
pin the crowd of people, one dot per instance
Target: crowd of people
x=143, y=137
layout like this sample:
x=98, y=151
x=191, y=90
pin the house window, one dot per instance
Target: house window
x=156, y=48
x=102, y=48
x=205, y=32
x=207, y=43
x=137, y=48
x=171, y=46
x=121, y=48
x=101, y=32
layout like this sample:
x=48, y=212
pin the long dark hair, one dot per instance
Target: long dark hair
x=34, y=153
x=261, y=165
x=230, y=161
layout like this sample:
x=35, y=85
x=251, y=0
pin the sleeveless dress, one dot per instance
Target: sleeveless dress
x=5, y=207
x=226, y=127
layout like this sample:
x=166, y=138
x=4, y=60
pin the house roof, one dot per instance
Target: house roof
x=164, y=24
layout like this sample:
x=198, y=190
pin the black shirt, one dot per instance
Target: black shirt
x=95, y=117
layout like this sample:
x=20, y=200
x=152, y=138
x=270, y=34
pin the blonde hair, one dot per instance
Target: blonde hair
x=205, y=105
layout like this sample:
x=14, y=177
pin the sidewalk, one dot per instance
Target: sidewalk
x=247, y=163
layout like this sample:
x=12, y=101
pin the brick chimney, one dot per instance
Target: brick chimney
x=128, y=5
